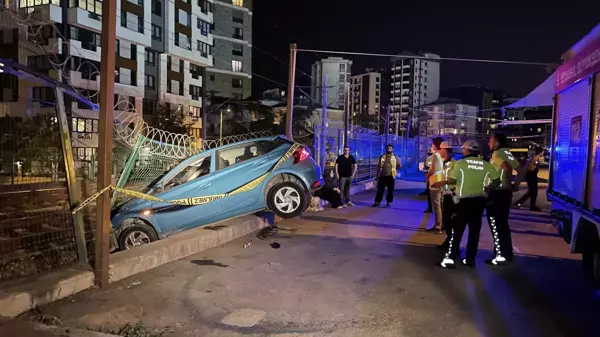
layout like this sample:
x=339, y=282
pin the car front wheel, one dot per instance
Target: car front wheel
x=287, y=200
x=136, y=235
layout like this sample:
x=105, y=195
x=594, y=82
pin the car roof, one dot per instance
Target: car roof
x=213, y=150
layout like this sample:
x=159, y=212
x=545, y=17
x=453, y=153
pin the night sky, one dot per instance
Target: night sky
x=392, y=26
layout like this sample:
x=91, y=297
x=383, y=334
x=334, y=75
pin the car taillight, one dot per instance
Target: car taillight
x=300, y=154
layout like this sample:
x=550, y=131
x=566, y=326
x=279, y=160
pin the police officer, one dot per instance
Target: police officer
x=448, y=191
x=500, y=199
x=471, y=176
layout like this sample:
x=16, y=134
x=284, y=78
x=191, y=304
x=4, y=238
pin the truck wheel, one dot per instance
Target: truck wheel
x=591, y=265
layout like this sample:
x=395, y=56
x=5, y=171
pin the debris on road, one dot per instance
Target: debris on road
x=275, y=245
x=267, y=232
x=133, y=284
x=248, y=244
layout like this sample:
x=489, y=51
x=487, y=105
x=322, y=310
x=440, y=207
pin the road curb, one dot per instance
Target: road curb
x=45, y=289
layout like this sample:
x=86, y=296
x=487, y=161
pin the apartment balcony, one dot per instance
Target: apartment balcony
x=84, y=50
x=85, y=19
x=46, y=12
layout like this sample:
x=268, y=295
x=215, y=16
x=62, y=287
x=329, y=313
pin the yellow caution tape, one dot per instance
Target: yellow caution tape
x=194, y=200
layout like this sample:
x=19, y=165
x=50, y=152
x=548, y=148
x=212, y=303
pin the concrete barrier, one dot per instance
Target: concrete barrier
x=45, y=289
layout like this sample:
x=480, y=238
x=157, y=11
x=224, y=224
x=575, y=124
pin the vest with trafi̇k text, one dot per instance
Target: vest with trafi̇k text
x=472, y=175
x=498, y=157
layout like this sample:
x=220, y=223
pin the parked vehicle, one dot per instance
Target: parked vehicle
x=574, y=178
x=285, y=191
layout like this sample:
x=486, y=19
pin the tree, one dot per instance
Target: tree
x=171, y=119
x=33, y=141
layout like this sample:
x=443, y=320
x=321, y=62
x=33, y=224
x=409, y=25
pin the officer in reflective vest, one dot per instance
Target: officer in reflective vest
x=448, y=192
x=500, y=199
x=471, y=177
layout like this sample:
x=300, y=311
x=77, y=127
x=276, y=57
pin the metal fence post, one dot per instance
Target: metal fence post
x=72, y=183
x=128, y=167
x=370, y=159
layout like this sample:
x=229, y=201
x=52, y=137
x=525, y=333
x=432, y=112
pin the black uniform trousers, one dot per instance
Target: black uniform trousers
x=498, y=212
x=382, y=183
x=469, y=212
x=449, y=217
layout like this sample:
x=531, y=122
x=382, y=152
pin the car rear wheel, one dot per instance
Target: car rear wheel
x=137, y=235
x=287, y=200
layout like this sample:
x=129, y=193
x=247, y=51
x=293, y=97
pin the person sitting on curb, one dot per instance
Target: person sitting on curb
x=330, y=191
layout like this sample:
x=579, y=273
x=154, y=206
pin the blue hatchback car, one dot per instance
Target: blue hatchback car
x=285, y=191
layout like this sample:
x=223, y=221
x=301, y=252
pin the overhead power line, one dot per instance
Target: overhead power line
x=424, y=57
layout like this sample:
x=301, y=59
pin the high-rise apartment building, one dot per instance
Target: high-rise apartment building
x=365, y=99
x=365, y=94
x=415, y=81
x=231, y=73
x=338, y=72
x=162, y=47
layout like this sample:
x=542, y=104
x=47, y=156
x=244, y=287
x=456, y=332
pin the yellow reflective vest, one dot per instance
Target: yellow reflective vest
x=393, y=162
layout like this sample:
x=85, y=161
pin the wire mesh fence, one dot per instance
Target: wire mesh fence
x=367, y=147
x=36, y=227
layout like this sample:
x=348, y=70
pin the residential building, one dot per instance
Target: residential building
x=231, y=73
x=365, y=98
x=447, y=117
x=414, y=81
x=338, y=72
x=160, y=54
x=488, y=100
x=526, y=126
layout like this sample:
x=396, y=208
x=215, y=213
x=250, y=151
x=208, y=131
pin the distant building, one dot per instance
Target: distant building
x=231, y=73
x=365, y=97
x=527, y=127
x=338, y=77
x=414, y=81
x=447, y=117
x=489, y=102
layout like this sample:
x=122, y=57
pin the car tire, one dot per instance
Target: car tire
x=287, y=200
x=591, y=265
x=137, y=234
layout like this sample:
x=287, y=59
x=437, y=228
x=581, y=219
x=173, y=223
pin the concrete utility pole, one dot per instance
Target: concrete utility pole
x=105, y=139
x=346, y=114
x=290, y=102
x=323, y=147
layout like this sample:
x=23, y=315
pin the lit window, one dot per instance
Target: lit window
x=239, y=3
x=236, y=65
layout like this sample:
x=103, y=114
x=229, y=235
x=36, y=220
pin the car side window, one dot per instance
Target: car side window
x=235, y=155
x=266, y=146
x=198, y=169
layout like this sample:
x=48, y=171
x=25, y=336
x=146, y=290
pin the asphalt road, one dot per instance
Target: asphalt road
x=354, y=272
